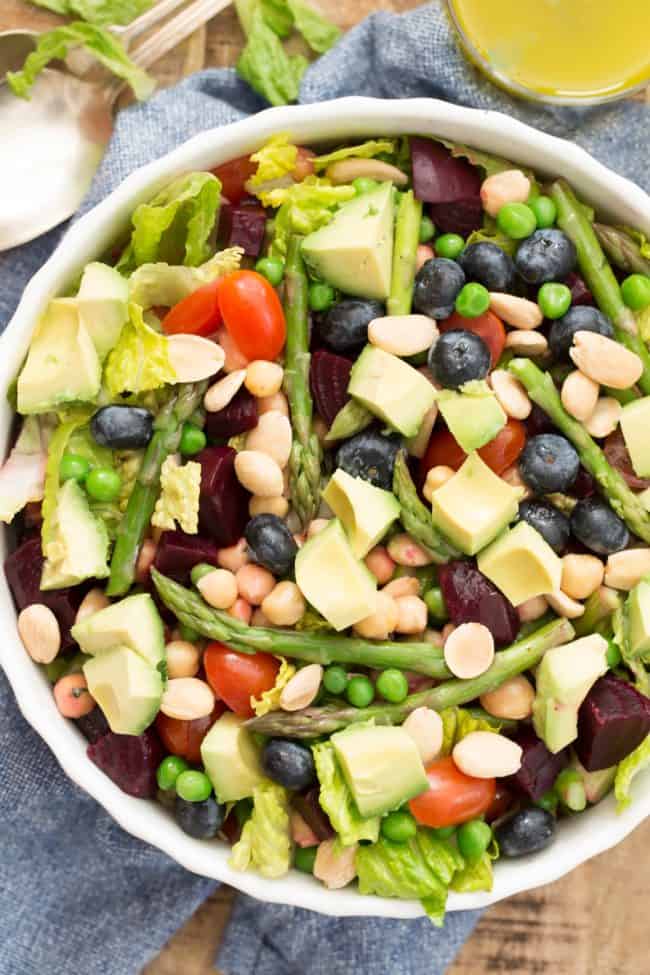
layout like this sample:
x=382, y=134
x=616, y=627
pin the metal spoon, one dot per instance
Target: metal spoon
x=53, y=144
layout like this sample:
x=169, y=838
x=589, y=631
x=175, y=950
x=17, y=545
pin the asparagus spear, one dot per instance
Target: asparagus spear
x=416, y=518
x=622, y=249
x=304, y=462
x=599, y=609
x=521, y=656
x=350, y=419
x=541, y=389
x=407, y=238
x=168, y=428
x=317, y=648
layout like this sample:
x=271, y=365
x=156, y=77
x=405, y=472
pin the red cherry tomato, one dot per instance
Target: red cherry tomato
x=233, y=176
x=198, y=314
x=184, y=737
x=452, y=796
x=236, y=677
x=487, y=326
x=252, y=314
x=498, y=454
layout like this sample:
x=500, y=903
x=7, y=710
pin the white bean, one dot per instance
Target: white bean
x=347, y=170
x=218, y=588
x=533, y=609
x=264, y=378
x=259, y=473
x=222, y=392
x=233, y=556
x=278, y=402
x=335, y=865
x=402, y=335
x=605, y=417
x=581, y=575
x=486, y=755
x=424, y=726
x=527, y=343
x=412, y=615
x=605, y=361
x=39, y=630
x=626, y=569
x=517, y=312
x=436, y=477
x=469, y=650
x=187, y=698
x=300, y=691
x=92, y=603
x=268, y=506
x=194, y=358
x=579, y=395
x=380, y=624
x=513, y=700
x=272, y=436
x=511, y=395
x=183, y=659
x=285, y=605
x=405, y=551
x=563, y=605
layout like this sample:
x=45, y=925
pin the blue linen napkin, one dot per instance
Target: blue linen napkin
x=76, y=892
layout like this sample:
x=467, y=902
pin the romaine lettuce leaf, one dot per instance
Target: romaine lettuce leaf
x=490, y=234
x=106, y=13
x=265, y=843
x=373, y=147
x=264, y=63
x=320, y=34
x=276, y=159
x=630, y=767
x=277, y=16
x=178, y=501
x=270, y=700
x=140, y=360
x=336, y=799
x=167, y=284
x=304, y=207
x=459, y=722
x=474, y=876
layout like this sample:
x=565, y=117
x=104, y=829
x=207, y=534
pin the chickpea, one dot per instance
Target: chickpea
x=73, y=699
x=259, y=618
x=183, y=659
x=254, y=583
x=411, y=615
x=581, y=575
x=512, y=700
x=423, y=254
x=404, y=586
x=379, y=562
x=146, y=557
x=285, y=605
x=234, y=556
x=219, y=588
x=316, y=526
x=406, y=551
x=436, y=477
x=380, y=624
x=264, y=378
x=241, y=610
x=532, y=609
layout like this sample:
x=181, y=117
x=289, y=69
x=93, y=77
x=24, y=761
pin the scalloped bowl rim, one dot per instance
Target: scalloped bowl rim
x=578, y=839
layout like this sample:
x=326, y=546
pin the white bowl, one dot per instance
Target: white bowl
x=579, y=838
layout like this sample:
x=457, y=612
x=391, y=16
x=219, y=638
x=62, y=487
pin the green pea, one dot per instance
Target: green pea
x=636, y=291
x=73, y=468
x=272, y=268
x=392, y=685
x=188, y=633
x=436, y=604
x=103, y=484
x=473, y=839
x=548, y=801
x=449, y=245
x=445, y=832
x=427, y=230
x=193, y=439
x=169, y=770
x=200, y=570
x=362, y=184
x=545, y=211
x=304, y=858
x=321, y=296
x=335, y=679
x=516, y=220
x=613, y=655
x=473, y=300
x=398, y=826
x=554, y=299
x=359, y=691
x=193, y=786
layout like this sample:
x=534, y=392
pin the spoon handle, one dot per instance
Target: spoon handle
x=148, y=19
x=176, y=30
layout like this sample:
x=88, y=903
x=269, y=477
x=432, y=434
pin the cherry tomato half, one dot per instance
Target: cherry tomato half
x=236, y=677
x=452, y=796
x=488, y=327
x=252, y=314
x=184, y=737
x=498, y=454
x=198, y=314
x=233, y=176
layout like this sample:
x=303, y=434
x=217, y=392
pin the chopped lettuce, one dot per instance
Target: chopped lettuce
x=336, y=799
x=274, y=160
x=57, y=447
x=490, y=234
x=312, y=622
x=621, y=639
x=459, y=722
x=140, y=360
x=178, y=502
x=474, y=876
x=22, y=476
x=627, y=770
x=488, y=163
x=303, y=208
x=264, y=63
x=319, y=33
x=97, y=41
x=270, y=700
x=278, y=16
x=265, y=843
x=106, y=13
x=175, y=225
x=167, y=284
x=373, y=147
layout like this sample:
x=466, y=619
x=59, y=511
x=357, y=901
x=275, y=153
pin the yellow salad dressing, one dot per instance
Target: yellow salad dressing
x=561, y=48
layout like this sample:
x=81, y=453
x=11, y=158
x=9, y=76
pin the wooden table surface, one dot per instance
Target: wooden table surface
x=593, y=922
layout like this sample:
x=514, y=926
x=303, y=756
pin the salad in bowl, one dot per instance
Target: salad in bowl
x=330, y=510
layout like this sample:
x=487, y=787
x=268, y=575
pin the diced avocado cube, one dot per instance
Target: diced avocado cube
x=635, y=424
x=473, y=415
x=231, y=759
x=474, y=505
x=638, y=610
x=391, y=389
x=382, y=767
x=521, y=564
x=354, y=252
x=564, y=678
x=333, y=580
x=103, y=302
x=597, y=784
x=134, y=622
x=366, y=511
x=62, y=364
x=78, y=546
x=126, y=688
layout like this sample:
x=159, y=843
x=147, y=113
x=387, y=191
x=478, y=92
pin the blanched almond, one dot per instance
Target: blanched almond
x=626, y=569
x=220, y=393
x=187, y=698
x=527, y=343
x=93, y=601
x=39, y=630
x=272, y=436
x=605, y=361
x=335, y=865
x=303, y=687
x=532, y=609
x=486, y=755
x=511, y=395
x=605, y=417
x=347, y=170
x=579, y=395
x=516, y=312
x=402, y=335
x=563, y=605
x=194, y=358
x=424, y=726
x=469, y=650
x=509, y=186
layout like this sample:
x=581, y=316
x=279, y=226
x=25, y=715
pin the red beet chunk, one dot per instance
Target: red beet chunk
x=471, y=598
x=613, y=720
x=438, y=177
x=23, y=570
x=312, y=812
x=539, y=767
x=93, y=725
x=329, y=376
x=178, y=553
x=618, y=456
x=239, y=416
x=580, y=293
x=130, y=761
x=244, y=226
x=223, y=507
x=460, y=217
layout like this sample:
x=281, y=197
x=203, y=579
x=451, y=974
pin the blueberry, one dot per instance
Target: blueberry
x=489, y=265
x=552, y=525
x=370, y=455
x=122, y=427
x=437, y=284
x=528, y=831
x=547, y=255
x=202, y=820
x=289, y=764
x=598, y=527
x=579, y=318
x=271, y=544
x=549, y=463
x=345, y=325
x=458, y=357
